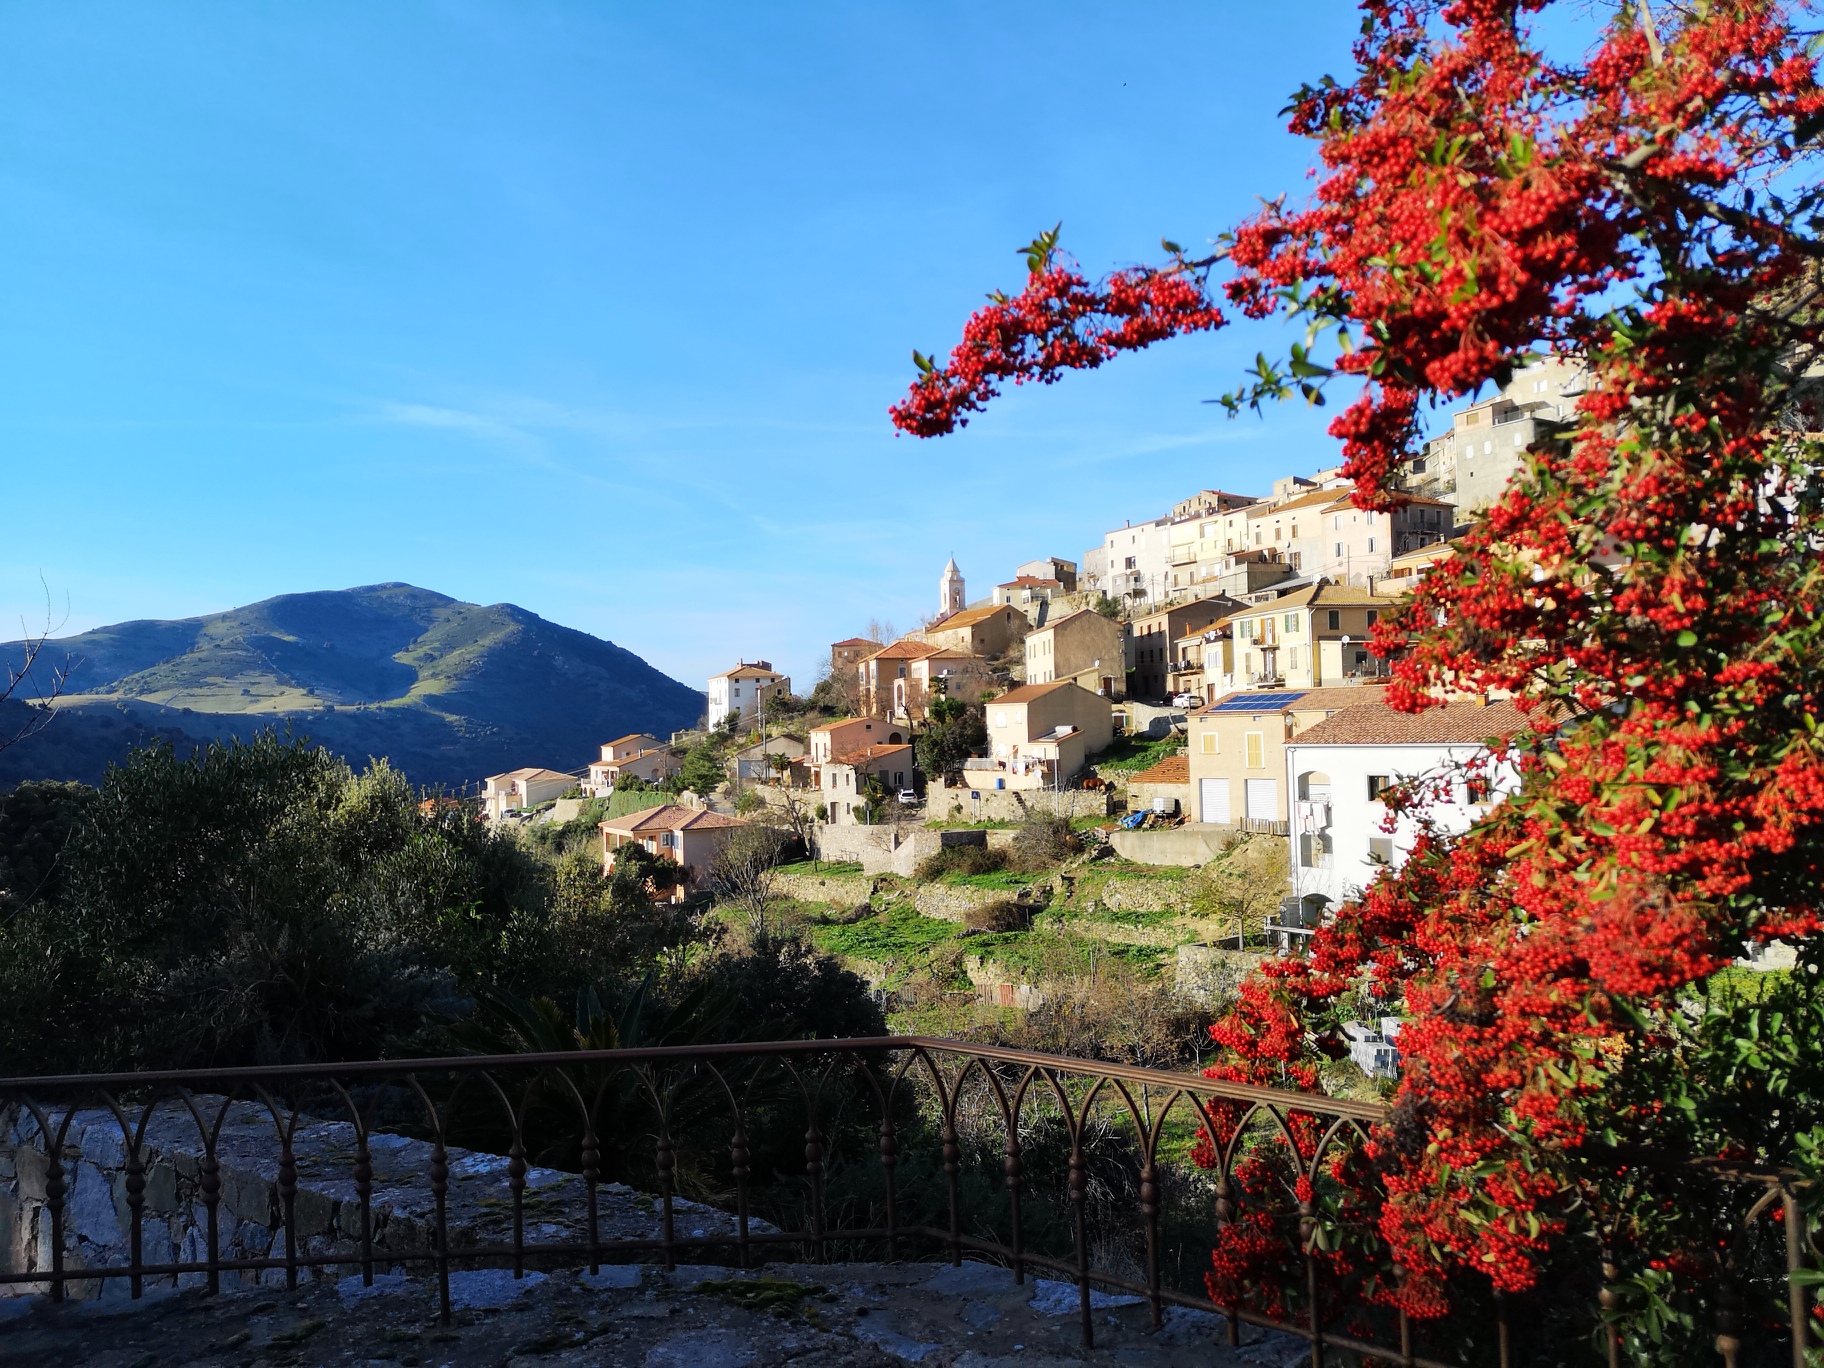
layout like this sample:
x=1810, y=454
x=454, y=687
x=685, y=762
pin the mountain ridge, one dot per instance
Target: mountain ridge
x=448, y=691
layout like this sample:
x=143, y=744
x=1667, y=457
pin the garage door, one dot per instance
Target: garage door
x=1263, y=799
x=1213, y=799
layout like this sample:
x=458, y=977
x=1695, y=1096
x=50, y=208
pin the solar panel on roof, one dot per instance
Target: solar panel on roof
x=1259, y=702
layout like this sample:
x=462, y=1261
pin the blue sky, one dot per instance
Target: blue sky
x=598, y=308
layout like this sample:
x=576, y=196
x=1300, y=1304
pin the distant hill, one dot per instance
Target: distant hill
x=448, y=691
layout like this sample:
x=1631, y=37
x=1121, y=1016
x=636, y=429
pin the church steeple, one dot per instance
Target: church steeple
x=950, y=594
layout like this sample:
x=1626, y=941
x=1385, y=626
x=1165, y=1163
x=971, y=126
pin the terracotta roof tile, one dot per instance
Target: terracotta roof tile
x=1174, y=769
x=668, y=817
x=868, y=755
x=1375, y=724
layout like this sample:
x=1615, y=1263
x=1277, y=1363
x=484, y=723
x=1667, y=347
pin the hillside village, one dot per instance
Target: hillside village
x=1170, y=752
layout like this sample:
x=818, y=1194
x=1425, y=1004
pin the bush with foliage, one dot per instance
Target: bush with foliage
x=1648, y=588
x=953, y=731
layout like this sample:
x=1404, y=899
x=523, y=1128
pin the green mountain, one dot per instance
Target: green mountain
x=448, y=691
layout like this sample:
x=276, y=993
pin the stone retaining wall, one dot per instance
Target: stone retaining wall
x=1012, y=805
x=1142, y=894
x=888, y=849
x=844, y=890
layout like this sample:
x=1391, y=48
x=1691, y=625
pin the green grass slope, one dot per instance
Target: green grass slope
x=448, y=691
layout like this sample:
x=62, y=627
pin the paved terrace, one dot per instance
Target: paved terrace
x=814, y=1315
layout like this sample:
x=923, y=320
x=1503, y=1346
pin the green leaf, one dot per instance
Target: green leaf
x=1687, y=638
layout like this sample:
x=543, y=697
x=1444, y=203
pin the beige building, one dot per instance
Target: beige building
x=1404, y=574
x=851, y=733
x=900, y=680
x=520, y=789
x=846, y=653
x=1040, y=736
x=1031, y=595
x=843, y=780
x=1237, y=750
x=1472, y=460
x=637, y=754
x=1084, y=647
x=690, y=837
x=1314, y=637
x=1207, y=501
x=985, y=631
x=1151, y=640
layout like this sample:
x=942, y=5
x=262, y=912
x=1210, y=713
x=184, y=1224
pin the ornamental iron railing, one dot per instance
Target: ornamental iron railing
x=871, y=1148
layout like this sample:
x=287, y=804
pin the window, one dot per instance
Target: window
x=1130, y=563
x=1209, y=742
x=1000, y=717
x=1380, y=850
x=1335, y=620
x=1371, y=546
x=1377, y=784
x=1291, y=624
x=1339, y=550
x=1374, y=616
x=1338, y=524
x=1488, y=447
x=1257, y=745
x=1476, y=788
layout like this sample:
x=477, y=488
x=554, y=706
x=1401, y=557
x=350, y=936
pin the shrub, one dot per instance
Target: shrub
x=996, y=916
x=961, y=859
x=1044, y=839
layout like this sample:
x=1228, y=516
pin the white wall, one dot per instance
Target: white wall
x=1354, y=820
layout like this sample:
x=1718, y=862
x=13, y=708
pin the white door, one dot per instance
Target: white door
x=1263, y=799
x=1215, y=800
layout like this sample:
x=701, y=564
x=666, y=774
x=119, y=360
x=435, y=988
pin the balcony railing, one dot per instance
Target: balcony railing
x=818, y=1148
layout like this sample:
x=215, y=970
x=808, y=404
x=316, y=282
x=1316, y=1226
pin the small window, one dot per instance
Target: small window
x=1209, y=742
x=1335, y=620
x=1377, y=785
x=1339, y=550
x=1000, y=717
x=1291, y=624
x=1476, y=788
x=1371, y=546
x=1257, y=746
x=1380, y=850
x=1374, y=616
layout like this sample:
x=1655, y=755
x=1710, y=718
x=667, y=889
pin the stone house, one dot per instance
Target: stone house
x=985, y=631
x=900, y=680
x=1031, y=594
x=1084, y=647
x=843, y=779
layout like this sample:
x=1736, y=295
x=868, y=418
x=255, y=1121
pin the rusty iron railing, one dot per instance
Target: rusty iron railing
x=898, y=1077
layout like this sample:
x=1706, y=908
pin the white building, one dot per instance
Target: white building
x=951, y=596
x=1133, y=561
x=1337, y=769
x=743, y=689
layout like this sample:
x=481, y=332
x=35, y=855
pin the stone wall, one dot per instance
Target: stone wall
x=1192, y=844
x=888, y=849
x=1011, y=805
x=174, y=1220
x=844, y=890
x=1141, y=894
